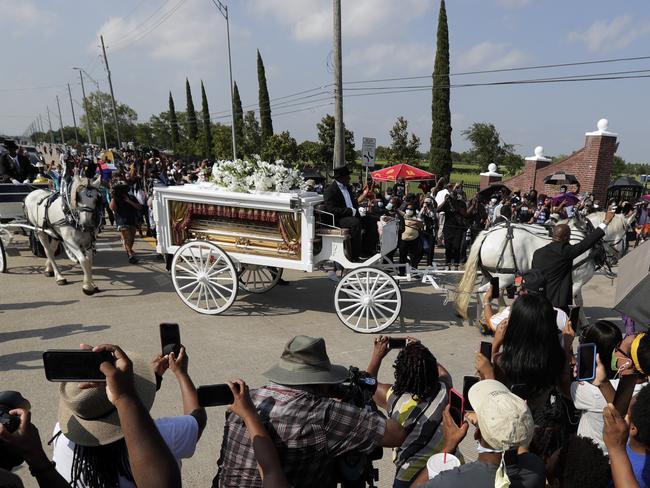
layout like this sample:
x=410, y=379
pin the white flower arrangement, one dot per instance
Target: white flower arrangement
x=256, y=176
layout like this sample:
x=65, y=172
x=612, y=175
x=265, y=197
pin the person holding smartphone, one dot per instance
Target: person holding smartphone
x=416, y=399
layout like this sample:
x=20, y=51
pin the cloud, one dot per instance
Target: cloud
x=513, y=3
x=311, y=20
x=491, y=55
x=188, y=34
x=410, y=57
x=617, y=33
x=22, y=14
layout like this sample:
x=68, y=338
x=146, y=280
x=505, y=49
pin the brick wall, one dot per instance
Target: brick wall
x=592, y=165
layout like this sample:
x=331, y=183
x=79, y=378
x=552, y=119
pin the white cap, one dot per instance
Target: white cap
x=504, y=419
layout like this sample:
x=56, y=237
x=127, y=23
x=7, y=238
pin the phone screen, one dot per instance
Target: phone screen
x=170, y=338
x=486, y=349
x=624, y=393
x=456, y=406
x=75, y=365
x=521, y=390
x=468, y=382
x=586, y=362
x=397, y=342
x=494, y=282
x=574, y=317
x=215, y=395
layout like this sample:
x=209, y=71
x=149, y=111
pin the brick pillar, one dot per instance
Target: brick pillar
x=595, y=171
x=532, y=165
x=489, y=177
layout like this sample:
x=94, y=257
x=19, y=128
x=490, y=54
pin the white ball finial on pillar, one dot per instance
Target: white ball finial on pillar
x=539, y=151
x=603, y=125
x=492, y=168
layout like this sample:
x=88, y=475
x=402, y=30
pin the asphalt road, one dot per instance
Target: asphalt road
x=36, y=314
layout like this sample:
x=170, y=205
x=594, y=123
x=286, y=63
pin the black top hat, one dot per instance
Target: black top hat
x=342, y=171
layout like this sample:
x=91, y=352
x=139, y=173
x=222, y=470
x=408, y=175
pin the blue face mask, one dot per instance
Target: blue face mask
x=389, y=206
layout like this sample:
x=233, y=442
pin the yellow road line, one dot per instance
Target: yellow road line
x=151, y=241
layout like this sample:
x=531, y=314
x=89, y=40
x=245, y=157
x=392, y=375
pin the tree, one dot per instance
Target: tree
x=309, y=151
x=488, y=147
x=440, y=154
x=192, y=123
x=222, y=145
x=403, y=150
x=326, y=137
x=207, y=124
x=281, y=146
x=618, y=166
x=239, y=121
x=126, y=117
x=173, y=122
x=264, y=102
x=252, y=135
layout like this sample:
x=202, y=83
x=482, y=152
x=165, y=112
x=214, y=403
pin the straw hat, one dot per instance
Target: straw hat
x=88, y=418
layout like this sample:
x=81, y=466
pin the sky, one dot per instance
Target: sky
x=153, y=45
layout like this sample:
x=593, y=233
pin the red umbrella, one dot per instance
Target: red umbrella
x=646, y=197
x=402, y=170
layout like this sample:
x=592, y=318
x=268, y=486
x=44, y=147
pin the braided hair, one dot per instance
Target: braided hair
x=416, y=372
x=101, y=466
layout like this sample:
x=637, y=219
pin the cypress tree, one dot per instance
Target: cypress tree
x=192, y=123
x=207, y=128
x=265, y=104
x=440, y=154
x=239, y=120
x=173, y=122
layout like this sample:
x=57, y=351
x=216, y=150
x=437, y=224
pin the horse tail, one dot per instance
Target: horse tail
x=466, y=284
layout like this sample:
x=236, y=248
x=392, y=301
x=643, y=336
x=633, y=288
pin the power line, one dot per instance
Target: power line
x=33, y=88
x=138, y=28
x=504, y=70
x=292, y=95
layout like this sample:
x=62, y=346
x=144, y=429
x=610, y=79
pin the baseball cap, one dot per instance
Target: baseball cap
x=504, y=419
x=534, y=281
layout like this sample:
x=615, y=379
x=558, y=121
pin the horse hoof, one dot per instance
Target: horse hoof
x=49, y=274
x=62, y=282
x=96, y=289
x=89, y=292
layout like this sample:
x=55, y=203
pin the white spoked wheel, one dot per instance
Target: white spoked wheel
x=3, y=258
x=204, y=277
x=258, y=279
x=367, y=300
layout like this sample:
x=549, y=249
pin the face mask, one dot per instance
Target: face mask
x=380, y=204
x=409, y=213
x=482, y=449
x=389, y=206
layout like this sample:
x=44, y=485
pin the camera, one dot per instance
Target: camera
x=10, y=422
x=356, y=469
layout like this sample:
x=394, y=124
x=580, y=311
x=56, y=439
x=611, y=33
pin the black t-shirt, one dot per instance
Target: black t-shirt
x=529, y=472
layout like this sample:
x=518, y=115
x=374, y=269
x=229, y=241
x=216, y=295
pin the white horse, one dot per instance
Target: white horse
x=74, y=225
x=502, y=256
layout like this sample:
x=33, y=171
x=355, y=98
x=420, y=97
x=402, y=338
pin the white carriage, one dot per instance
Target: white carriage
x=218, y=241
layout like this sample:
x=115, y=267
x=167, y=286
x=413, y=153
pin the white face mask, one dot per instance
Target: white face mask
x=380, y=204
x=389, y=206
x=409, y=213
x=482, y=449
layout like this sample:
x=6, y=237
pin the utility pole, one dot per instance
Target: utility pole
x=110, y=85
x=83, y=92
x=339, y=128
x=49, y=122
x=40, y=123
x=74, y=119
x=223, y=9
x=60, y=120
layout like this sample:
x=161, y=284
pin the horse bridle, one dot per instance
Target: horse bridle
x=78, y=209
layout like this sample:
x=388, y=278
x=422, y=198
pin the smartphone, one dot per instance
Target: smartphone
x=397, y=342
x=456, y=406
x=574, y=318
x=215, y=395
x=75, y=364
x=170, y=338
x=586, y=362
x=494, y=283
x=468, y=382
x=486, y=349
x=624, y=393
x=521, y=390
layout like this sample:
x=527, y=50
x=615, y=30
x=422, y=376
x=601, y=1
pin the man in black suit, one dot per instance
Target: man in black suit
x=9, y=164
x=340, y=200
x=555, y=260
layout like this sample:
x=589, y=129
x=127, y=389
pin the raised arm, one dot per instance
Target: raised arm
x=379, y=352
x=179, y=365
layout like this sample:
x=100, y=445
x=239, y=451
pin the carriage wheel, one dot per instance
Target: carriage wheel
x=204, y=277
x=367, y=300
x=258, y=279
x=3, y=258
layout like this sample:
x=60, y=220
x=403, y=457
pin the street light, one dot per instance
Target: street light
x=223, y=9
x=101, y=110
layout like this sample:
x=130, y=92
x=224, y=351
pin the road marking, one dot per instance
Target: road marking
x=151, y=241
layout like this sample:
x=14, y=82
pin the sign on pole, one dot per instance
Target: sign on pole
x=368, y=151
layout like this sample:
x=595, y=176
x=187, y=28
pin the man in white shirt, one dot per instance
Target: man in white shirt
x=340, y=200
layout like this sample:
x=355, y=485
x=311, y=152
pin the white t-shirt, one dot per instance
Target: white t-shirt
x=179, y=433
x=590, y=400
x=561, y=318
